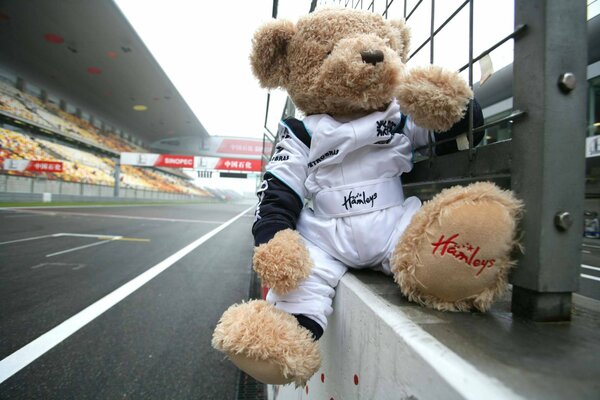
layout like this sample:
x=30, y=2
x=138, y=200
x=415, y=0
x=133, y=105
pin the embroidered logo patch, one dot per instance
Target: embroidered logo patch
x=358, y=199
x=465, y=252
x=384, y=129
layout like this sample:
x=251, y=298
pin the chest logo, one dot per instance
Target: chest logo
x=385, y=128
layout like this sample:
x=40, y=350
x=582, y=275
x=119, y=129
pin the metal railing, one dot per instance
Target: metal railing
x=542, y=163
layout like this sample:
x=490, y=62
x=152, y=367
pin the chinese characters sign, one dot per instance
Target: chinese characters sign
x=33, y=165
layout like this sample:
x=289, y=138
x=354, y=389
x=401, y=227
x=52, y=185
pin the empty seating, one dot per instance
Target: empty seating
x=78, y=165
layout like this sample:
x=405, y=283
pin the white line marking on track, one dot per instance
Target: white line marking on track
x=586, y=276
x=590, y=267
x=83, y=247
x=30, y=352
x=80, y=214
x=75, y=266
x=19, y=216
x=86, y=235
x=590, y=245
x=27, y=239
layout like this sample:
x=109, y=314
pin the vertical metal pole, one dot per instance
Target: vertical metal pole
x=470, y=111
x=431, y=58
x=431, y=30
x=117, y=177
x=548, y=153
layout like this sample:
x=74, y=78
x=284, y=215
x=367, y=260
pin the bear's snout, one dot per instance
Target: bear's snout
x=372, y=56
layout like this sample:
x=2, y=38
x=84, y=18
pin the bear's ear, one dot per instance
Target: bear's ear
x=401, y=38
x=269, y=53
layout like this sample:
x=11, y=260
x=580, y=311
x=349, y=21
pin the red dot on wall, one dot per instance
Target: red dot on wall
x=94, y=70
x=306, y=389
x=355, y=379
x=54, y=38
x=323, y=378
x=112, y=54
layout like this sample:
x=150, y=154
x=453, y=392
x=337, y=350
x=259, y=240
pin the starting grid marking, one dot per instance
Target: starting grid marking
x=74, y=266
x=104, y=239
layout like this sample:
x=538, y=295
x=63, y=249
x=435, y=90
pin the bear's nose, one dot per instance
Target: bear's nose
x=372, y=56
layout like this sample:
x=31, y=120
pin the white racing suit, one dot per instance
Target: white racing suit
x=350, y=174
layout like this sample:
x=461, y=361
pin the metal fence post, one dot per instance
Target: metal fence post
x=117, y=177
x=548, y=152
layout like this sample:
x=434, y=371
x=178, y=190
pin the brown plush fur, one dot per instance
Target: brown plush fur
x=259, y=331
x=403, y=37
x=433, y=97
x=427, y=279
x=282, y=262
x=269, y=53
x=319, y=63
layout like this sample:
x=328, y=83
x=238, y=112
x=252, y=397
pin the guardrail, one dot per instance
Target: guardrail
x=19, y=188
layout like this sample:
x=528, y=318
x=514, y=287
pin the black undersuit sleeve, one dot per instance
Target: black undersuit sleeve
x=458, y=128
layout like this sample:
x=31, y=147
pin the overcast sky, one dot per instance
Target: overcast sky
x=203, y=46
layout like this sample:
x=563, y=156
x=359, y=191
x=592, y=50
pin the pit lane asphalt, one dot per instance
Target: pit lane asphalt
x=155, y=343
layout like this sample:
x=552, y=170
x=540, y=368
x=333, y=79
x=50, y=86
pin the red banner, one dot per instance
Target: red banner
x=45, y=166
x=32, y=165
x=173, y=161
x=242, y=147
x=234, y=164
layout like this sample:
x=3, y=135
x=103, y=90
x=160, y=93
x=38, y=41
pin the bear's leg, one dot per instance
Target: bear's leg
x=267, y=343
x=275, y=341
x=455, y=254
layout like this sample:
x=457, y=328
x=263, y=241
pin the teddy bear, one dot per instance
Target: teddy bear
x=332, y=196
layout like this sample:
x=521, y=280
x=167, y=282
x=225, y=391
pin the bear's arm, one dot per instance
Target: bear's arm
x=419, y=137
x=281, y=194
x=278, y=209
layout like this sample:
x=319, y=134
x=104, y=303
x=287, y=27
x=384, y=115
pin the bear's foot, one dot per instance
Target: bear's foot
x=455, y=254
x=267, y=344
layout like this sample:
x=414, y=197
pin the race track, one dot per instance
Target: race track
x=119, y=302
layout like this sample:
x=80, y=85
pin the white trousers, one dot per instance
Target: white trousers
x=360, y=241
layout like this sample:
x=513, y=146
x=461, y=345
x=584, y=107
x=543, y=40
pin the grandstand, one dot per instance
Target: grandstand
x=37, y=122
x=80, y=165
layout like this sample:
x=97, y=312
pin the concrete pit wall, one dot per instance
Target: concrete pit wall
x=380, y=346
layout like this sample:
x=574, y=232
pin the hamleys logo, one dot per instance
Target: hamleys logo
x=466, y=253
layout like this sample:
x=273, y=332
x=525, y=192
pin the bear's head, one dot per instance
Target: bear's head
x=334, y=61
